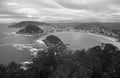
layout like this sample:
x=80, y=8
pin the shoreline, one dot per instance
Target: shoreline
x=107, y=37
x=112, y=39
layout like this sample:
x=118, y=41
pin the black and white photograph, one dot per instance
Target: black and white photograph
x=59, y=38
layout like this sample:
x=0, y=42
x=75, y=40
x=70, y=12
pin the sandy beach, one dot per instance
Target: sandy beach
x=109, y=38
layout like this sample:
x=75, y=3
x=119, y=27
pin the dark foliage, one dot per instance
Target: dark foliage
x=53, y=39
x=30, y=29
x=98, y=62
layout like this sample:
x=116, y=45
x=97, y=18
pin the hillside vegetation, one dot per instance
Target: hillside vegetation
x=102, y=61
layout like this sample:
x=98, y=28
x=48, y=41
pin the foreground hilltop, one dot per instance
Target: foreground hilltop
x=102, y=61
x=26, y=23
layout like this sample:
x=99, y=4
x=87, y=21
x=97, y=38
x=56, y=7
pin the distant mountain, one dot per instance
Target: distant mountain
x=30, y=29
x=102, y=25
x=26, y=23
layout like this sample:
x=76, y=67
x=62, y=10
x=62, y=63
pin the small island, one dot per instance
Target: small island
x=31, y=29
x=52, y=40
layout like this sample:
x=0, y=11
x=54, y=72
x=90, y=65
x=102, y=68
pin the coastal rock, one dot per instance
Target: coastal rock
x=54, y=41
x=30, y=29
x=51, y=39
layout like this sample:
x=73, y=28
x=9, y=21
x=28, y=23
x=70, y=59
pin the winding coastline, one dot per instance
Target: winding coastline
x=112, y=39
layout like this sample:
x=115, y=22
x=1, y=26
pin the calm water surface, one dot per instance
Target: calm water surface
x=9, y=44
x=77, y=40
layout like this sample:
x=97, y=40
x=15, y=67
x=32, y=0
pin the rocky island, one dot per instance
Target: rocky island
x=54, y=42
x=31, y=29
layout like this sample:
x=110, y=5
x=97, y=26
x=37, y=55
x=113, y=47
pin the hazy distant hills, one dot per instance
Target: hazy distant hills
x=110, y=25
x=26, y=23
x=105, y=25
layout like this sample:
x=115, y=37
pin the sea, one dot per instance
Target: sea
x=17, y=47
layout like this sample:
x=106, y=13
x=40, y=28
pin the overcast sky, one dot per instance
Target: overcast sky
x=58, y=10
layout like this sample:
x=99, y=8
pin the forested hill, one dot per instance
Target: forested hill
x=26, y=23
x=102, y=61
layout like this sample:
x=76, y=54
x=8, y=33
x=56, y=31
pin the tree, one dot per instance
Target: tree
x=104, y=54
x=13, y=70
x=2, y=71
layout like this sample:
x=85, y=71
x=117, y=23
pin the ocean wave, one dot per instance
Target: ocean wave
x=12, y=33
x=39, y=41
x=22, y=46
x=28, y=35
x=31, y=47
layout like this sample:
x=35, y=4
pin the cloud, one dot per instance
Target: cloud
x=95, y=5
x=55, y=10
